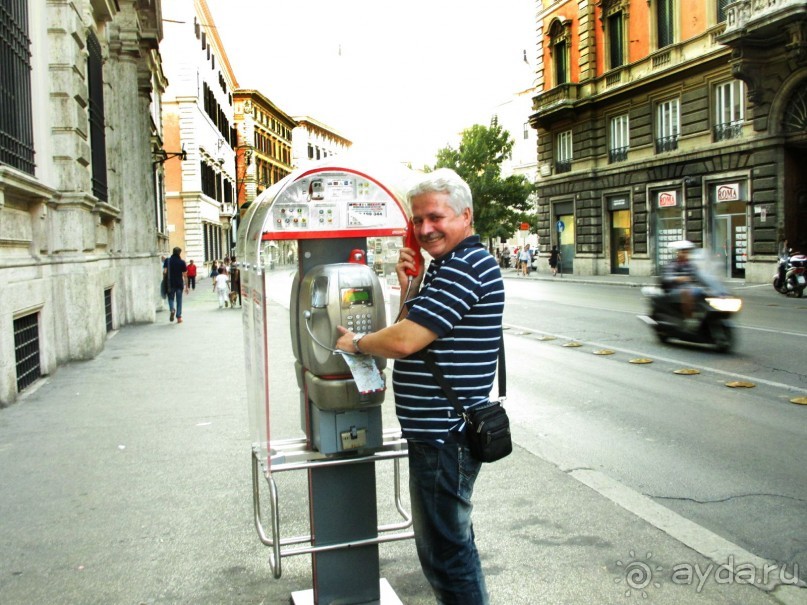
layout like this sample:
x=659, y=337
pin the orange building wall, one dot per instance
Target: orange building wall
x=175, y=210
x=693, y=18
x=638, y=46
x=171, y=144
x=638, y=34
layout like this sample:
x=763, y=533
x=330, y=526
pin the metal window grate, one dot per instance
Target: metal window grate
x=108, y=308
x=619, y=154
x=26, y=350
x=666, y=144
x=563, y=166
x=95, y=86
x=728, y=131
x=16, y=124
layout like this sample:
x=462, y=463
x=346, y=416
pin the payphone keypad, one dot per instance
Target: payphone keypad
x=359, y=322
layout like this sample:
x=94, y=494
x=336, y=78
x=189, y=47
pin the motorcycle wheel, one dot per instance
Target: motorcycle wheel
x=721, y=336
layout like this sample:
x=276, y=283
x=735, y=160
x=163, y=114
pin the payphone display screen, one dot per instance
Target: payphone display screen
x=357, y=296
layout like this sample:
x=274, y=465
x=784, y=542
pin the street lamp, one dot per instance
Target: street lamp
x=161, y=155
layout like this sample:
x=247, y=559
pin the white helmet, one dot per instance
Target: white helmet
x=683, y=244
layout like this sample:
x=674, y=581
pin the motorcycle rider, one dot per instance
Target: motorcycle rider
x=680, y=280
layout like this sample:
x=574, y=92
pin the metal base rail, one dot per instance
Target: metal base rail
x=291, y=455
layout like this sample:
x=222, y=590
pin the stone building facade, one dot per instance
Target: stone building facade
x=655, y=123
x=80, y=221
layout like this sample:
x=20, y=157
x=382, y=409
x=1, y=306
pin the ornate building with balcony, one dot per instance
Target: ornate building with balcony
x=660, y=120
x=264, y=144
x=81, y=223
x=200, y=132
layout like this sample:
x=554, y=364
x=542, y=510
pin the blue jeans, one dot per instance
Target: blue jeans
x=441, y=483
x=178, y=293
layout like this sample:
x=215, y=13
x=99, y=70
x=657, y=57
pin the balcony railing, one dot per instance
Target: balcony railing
x=661, y=59
x=613, y=78
x=619, y=154
x=743, y=13
x=563, y=166
x=667, y=144
x=562, y=95
x=728, y=131
x=227, y=210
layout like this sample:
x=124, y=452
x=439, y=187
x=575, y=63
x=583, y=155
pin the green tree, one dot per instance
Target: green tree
x=500, y=204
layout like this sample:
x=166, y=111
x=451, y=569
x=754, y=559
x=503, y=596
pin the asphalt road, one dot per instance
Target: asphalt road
x=126, y=478
x=729, y=459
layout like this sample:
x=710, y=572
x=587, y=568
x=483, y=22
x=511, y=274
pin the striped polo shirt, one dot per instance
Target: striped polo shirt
x=461, y=300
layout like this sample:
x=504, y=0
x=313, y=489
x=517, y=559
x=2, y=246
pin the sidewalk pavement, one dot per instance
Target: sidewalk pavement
x=632, y=281
x=126, y=480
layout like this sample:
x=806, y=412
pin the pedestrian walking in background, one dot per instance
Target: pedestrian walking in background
x=214, y=269
x=191, y=275
x=221, y=287
x=554, y=258
x=177, y=272
x=235, y=280
x=525, y=260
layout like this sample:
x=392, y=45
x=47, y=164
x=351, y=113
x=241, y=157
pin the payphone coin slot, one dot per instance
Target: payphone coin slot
x=354, y=439
x=319, y=293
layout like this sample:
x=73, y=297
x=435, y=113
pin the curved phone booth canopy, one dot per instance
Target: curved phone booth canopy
x=310, y=250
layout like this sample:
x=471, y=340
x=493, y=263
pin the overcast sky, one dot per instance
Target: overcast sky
x=399, y=79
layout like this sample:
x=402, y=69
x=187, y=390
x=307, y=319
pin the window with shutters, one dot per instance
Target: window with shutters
x=729, y=100
x=563, y=152
x=619, y=138
x=721, y=9
x=560, y=33
x=615, y=25
x=668, y=124
x=665, y=31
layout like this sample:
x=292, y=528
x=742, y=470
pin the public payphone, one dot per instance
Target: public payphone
x=342, y=416
x=327, y=213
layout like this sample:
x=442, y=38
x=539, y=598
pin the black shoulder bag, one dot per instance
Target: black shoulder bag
x=487, y=426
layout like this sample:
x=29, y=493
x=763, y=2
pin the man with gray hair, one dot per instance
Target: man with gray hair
x=456, y=316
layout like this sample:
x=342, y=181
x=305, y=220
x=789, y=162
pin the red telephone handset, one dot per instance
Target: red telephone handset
x=411, y=241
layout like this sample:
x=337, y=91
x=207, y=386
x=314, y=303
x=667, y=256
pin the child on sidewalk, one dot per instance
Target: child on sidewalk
x=222, y=287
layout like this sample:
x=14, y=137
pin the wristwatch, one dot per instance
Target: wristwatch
x=356, y=339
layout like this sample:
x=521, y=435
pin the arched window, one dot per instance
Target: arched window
x=795, y=120
x=560, y=38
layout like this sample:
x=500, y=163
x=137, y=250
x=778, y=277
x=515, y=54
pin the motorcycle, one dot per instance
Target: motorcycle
x=710, y=322
x=790, y=274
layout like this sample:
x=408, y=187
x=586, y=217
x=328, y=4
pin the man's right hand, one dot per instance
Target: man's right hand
x=406, y=261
